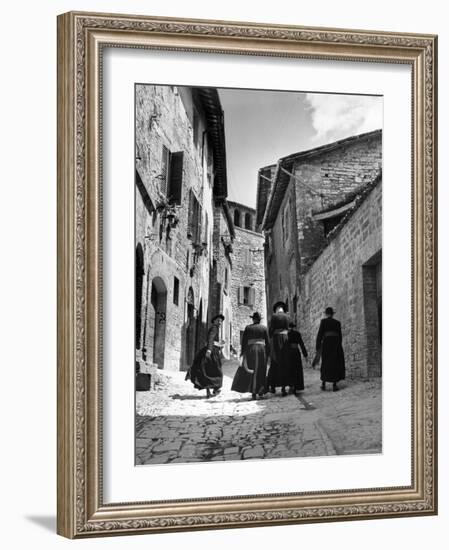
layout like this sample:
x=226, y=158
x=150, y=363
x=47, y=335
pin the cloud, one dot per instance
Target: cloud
x=336, y=116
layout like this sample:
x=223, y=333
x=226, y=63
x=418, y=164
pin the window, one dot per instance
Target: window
x=171, y=175
x=194, y=224
x=176, y=291
x=246, y=296
x=175, y=178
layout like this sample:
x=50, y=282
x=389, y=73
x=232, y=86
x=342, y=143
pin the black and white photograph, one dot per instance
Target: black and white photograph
x=258, y=274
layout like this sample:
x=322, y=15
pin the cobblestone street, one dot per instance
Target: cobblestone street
x=176, y=423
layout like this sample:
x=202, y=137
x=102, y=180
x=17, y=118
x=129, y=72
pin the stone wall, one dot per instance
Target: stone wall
x=347, y=277
x=247, y=271
x=309, y=269
x=325, y=179
x=281, y=254
x=172, y=275
x=221, y=276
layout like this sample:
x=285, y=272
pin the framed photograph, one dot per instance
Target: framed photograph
x=246, y=274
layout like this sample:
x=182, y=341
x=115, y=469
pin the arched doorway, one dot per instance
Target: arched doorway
x=138, y=296
x=190, y=327
x=157, y=320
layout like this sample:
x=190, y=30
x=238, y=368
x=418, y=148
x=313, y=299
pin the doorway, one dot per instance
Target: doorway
x=372, y=302
x=157, y=320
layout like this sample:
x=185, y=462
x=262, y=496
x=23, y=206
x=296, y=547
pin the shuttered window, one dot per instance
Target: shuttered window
x=174, y=194
x=176, y=291
x=247, y=256
x=252, y=296
x=171, y=175
x=247, y=296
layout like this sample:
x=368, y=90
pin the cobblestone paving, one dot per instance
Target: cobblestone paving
x=176, y=423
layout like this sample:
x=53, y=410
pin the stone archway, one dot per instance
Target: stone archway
x=157, y=321
x=138, y=294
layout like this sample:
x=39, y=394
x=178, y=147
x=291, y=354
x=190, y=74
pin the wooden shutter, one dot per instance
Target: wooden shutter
x=165, y=168
x=240, y=295
x=199, y=214
x=252, y=296
x=175, y=185
x=190, y=224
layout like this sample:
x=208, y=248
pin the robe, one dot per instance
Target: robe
x=329, y=342
x=255, y=353
x=206, y=372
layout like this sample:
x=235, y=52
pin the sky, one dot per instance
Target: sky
x=262, y=126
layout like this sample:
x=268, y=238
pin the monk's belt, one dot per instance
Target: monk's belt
x=330, y=333
x=280, y=331
x=253, y=341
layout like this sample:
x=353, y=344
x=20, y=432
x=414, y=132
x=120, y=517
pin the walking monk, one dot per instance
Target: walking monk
x=251, y=375
x=206, y=372
x=329, y=343
x=278, y=373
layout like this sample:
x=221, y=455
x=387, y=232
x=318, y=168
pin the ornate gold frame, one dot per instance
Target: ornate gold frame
x=81, y=511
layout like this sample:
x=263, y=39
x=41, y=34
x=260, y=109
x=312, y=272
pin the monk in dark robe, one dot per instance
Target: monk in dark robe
x=329, y=343
x=206, y=372
x=278, y=331
x=251, y=375
x=296, y=347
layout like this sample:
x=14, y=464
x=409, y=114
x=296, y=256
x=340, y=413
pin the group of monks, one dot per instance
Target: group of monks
x=280, y=346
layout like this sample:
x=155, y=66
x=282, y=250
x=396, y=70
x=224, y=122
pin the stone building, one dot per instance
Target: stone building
x=322, y=219
x=248, y=274
x=222, y=271
x=180, y=178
